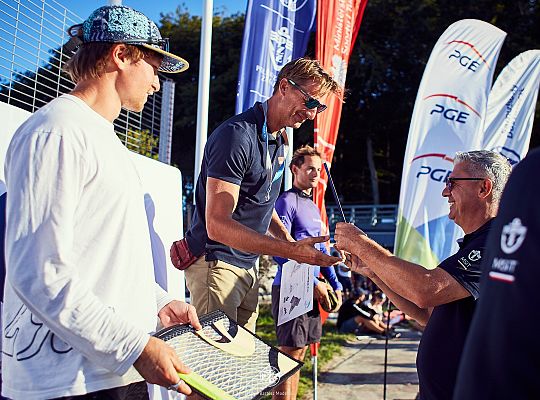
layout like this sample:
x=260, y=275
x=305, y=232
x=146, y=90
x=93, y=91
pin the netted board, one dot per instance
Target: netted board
x=227, y=360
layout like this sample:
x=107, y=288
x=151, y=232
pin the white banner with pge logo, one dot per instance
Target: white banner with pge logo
x=448, y=116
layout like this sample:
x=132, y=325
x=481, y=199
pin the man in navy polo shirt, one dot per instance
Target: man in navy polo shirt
x=234, y=219
x=442, y=299
x=302, y=218
x=501, y=359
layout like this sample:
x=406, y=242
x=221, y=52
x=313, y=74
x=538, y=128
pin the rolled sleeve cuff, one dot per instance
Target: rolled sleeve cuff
x=229, y=179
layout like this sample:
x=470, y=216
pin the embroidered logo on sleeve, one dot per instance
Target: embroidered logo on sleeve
x=512, y=236
x=475, y=255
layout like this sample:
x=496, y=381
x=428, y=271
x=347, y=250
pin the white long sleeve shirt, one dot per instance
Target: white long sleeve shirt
x=80, y=295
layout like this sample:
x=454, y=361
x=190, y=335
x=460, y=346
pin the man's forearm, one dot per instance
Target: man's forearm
x=232, y=233
x=408, y=280
x=419, y=314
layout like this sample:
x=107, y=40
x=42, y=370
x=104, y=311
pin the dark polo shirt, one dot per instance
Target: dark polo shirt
x=236, y=153
x=501, y=359
x=442, y=343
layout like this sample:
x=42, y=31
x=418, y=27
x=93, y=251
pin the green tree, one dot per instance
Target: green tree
x=385, y=69
x=393, y=46
x=141, y=142
x=184, y=32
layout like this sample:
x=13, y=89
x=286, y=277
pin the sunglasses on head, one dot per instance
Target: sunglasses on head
x=310, y=102
x=451, y=182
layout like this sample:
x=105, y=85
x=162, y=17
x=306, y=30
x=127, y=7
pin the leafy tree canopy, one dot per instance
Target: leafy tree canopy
x=388, y=60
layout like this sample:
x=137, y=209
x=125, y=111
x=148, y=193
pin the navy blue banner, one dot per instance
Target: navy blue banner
x=276, y=31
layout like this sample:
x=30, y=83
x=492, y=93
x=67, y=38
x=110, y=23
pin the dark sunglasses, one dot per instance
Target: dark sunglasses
x=310, y=102
x=450, y=182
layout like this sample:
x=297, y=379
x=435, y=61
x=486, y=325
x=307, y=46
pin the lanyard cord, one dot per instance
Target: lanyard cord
x=268, y=163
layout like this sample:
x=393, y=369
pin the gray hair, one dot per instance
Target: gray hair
x=486, y=164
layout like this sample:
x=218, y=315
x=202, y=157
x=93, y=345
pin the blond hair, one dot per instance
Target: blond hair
x=305, y=71
x=90, y=60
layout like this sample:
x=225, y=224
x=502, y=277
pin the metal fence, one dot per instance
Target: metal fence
x=378, y=221
x=32, y=54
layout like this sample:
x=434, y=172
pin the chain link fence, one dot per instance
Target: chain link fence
x=32, y=54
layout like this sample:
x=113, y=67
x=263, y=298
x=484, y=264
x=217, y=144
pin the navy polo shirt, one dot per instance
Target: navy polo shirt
x=502, y=356
x=236, y=153
x=443, y=339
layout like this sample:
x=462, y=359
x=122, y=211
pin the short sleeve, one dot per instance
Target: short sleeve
x=286, y=210
x=465, y=267
x=228, y=153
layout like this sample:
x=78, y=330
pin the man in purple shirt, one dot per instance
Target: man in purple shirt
x=302, y=219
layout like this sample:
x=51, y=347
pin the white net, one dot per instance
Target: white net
x=32, y=54
x=243, y=377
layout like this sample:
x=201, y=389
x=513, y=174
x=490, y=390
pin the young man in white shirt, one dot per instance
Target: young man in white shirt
x=81, y=298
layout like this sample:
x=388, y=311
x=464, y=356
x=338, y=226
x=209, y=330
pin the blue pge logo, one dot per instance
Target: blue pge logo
x=450, y=113
x=436, y=174
x=463, y=59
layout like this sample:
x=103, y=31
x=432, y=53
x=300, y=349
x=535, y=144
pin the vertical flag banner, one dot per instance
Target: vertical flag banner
x=338, y=23
x=511, y=105
x=275, y=32
x=448, y=116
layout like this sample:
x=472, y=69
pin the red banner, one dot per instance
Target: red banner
x=338, y=23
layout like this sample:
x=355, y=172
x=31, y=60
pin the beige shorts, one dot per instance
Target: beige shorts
x=218, y=285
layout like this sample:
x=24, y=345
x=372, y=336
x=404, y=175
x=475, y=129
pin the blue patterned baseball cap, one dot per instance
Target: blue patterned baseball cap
x=121, y=24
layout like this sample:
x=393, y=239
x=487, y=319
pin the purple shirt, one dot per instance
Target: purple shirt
x=302, y=219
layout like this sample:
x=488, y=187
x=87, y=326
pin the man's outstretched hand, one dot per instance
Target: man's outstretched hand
x=159, y=364
x=305, y=252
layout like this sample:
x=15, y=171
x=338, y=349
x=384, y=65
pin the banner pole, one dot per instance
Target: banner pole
x=204, y=88
x=314, y=350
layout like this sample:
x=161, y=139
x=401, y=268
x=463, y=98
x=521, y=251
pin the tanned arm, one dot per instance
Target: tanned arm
x=278, y=230
x=425, y=288
x=221, y=200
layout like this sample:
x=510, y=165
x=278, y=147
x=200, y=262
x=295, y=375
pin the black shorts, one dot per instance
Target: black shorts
x=300, y=331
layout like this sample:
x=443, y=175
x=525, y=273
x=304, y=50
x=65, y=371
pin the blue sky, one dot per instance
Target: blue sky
x=30, y=57
x=153, y=8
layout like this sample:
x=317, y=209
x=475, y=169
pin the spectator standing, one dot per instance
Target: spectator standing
x=301, y=217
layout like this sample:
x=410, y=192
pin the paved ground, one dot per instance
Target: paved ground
x=359, y=372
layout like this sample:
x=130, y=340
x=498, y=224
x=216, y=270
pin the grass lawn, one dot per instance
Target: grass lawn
x=331, y=343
